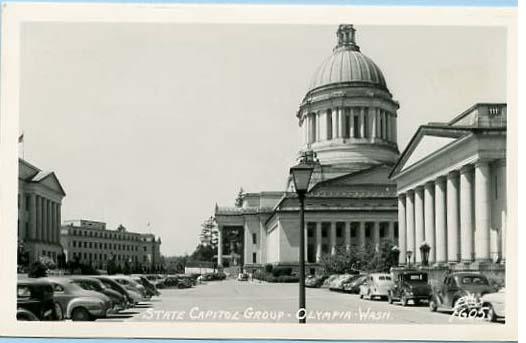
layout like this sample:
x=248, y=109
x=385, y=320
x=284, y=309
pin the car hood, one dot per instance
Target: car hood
x=478, y=289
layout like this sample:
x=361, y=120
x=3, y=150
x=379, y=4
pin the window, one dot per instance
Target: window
x=254, y=257
x=346, y=125
x=339, y=229
x=356, y=126
x=74, y=244
x=254, y=238
x=27, y=203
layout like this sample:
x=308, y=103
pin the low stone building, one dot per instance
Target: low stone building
x=451, y=187
x=89, y=242
x=40, y=197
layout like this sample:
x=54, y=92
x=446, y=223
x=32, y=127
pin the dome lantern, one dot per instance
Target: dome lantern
x=347, y=37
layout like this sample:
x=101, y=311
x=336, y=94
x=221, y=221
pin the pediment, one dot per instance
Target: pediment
x=426, y=147
x=50, y=181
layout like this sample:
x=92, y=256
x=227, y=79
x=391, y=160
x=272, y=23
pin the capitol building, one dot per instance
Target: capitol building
x=348, y=117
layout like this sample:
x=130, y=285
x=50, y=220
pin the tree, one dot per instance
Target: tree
x=204, y=253
x=383, y=258
x=239, y=198
x=209, y=232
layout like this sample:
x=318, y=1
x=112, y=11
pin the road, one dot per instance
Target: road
x=233, y=301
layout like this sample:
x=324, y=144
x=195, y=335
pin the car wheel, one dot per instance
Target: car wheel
x=26, y=316
x=59, y=315
x=490, y=313
x=403, y=300
x=80, y=314
x=433, y=306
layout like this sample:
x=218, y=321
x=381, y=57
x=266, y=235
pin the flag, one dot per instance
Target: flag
x=21, y=138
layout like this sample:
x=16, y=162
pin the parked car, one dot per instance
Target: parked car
x=175, y=281
x=315, y=281
x=377, y=285
x=35, y=301
x=150, y=288
x=130, y=284
x=459, y=286
x=118, y=300
x=494, y=305
x=337, y=283
x=131, y=296
x=77, y=303
x=242, y=277
x=409, y=285
x=354, y=285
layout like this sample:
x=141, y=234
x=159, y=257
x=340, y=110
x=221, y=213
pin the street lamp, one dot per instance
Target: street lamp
x=409, y=253
x=301, y=175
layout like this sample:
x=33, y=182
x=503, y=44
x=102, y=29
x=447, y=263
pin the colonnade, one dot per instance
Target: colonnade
x=45, y=219
x=349, y=122
x=452, y=214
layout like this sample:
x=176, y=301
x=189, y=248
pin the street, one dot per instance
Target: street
x=254, y=301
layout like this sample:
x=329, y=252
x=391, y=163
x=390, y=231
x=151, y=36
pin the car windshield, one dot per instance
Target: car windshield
x=415, y=277
x=474, y=280
x=384, y=278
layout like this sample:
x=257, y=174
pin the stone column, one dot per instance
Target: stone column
x=440, y=220
x=419, y=221
x=482, y=211
x=373, y=116
x=333, y=238
x=318, y=242
x=49, y=221
x=379, y=123
x=32, y=217
x=38, y=217
x=59, y=223
x=402, y=235
x=318, y=126
x=384, y=133
x=351, y=123
x=376, y=235
x=43, y=202
x=335, y=123
x=341, y=115
x=395, y=129
x=387, y=126
x=453, y=217
x=466, y=214
x=347, y=235
x=362, y=122
x=53, y=221
x=361, y=232
x=220, y=246
x=429, y=219
x=410, y=223
x=391, y=232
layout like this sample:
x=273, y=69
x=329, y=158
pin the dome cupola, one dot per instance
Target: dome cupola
x=348, y=115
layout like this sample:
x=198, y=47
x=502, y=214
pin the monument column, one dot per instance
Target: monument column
x=440, y=220
x=318, y=242
x=32, y=216
x=466, y=214
x=402, y=235
x=429, y=219
x=482, y=211
x=347, y=235
x=361, y=232
x=410, y=222
x=219, y=246
x=333, y=238
x=453, y=217
x=419, y=221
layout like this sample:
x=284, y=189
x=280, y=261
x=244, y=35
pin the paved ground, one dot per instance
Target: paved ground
x=233, y=301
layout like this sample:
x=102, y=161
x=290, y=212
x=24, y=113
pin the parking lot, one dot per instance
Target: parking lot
x=255, y=301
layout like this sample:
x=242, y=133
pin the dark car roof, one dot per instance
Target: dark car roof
x=33, y=282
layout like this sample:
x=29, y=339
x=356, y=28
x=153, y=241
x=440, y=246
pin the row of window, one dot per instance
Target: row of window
x=106, y=245
x=340, y=227
x=107, y=235
x=88, y=256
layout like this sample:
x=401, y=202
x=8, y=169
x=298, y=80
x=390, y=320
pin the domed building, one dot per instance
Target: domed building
x=348, y=118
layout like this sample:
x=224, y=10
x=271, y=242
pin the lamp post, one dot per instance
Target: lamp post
x=301, y=175
x=409, y=254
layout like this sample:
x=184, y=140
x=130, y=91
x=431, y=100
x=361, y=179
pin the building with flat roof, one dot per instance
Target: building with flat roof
x=90, y=242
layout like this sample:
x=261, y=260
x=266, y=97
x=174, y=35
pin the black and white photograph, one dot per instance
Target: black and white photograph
x=351, y=172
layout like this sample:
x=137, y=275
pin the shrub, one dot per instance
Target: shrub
x=281, y=271
x=37, y=269
x=268, y=268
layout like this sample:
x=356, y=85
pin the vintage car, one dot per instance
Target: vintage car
x=377, y=285
x=128, y=283
x=315, y=281
x=132, y=297
x=409, y=285
x=174, y=281
x=35, y=301
x=337, y=283
x=460, y=289
x=493, y=305
x=150, y=288
x=242, y=277
x=354, y=286
x=119, y=301
x=79, y=304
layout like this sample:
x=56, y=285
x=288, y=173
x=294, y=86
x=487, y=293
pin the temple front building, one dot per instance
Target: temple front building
x=348, y=118
x=451, y=190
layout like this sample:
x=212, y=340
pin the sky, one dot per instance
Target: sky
x=156, y=123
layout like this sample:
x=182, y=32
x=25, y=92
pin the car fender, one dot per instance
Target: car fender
x=22, y=312
x=81, y=302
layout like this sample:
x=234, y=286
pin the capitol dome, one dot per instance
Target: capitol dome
x=347, y=64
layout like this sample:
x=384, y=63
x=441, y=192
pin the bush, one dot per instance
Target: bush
x=37, y=269
x=268, y=268
x=281, y=271
x=269, y=277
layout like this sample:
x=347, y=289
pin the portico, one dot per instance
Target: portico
x=452, y=189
